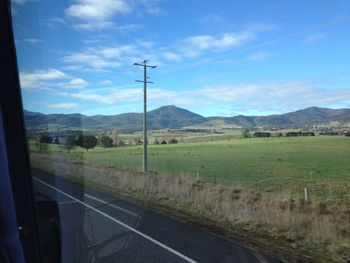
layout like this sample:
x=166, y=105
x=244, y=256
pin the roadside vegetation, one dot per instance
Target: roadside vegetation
x=264, y=165
x=252, y=189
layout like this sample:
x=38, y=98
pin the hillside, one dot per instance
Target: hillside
x=298, y=118
x=172, y=117
x=165, y=117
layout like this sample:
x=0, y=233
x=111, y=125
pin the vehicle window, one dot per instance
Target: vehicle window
x=188, y=131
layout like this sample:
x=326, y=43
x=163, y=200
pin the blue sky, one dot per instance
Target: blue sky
x=225, y=57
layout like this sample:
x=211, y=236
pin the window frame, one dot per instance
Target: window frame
x=15, y=137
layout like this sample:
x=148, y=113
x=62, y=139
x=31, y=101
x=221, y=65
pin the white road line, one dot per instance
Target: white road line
x=124, y=210
x=95, y=198
x=112, y=205
x=122, y=224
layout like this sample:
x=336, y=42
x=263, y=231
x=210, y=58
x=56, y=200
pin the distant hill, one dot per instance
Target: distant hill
x=302, y=117
x=172, y=117
x=298, y=118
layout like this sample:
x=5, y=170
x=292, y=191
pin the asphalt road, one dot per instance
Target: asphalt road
x=98, y=227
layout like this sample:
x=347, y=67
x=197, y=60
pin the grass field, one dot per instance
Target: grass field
x=276, y=165
x=276, y=217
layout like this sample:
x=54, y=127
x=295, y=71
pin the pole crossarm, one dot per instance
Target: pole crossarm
x=144, y=81
x=144, y=64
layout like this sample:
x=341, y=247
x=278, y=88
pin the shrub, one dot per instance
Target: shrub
x=106, y=141
x=45, y=139
x=87, y=142
x=41, y=147
x=172, y=141
x=69, y=142
x=245, y=134
x=156, y=141
x=262, y=135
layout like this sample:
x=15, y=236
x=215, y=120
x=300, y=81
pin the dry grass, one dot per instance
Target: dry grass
x=314, y=228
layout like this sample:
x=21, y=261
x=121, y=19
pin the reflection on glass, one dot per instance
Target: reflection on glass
x=248, y=127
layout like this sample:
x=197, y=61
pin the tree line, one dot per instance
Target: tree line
x=85, y=141
x=246, y=134
x=88, y=142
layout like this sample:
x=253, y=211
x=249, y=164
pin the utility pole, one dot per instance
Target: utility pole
x=145, y=66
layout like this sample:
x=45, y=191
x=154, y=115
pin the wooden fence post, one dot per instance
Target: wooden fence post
x=306, y=194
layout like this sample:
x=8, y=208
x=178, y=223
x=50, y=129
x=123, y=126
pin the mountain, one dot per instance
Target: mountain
x=165, y=117
x=302, y=117
x=172, y=117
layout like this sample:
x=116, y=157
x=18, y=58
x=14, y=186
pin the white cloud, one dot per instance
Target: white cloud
x=276, y=97
x=242, y=98
x=260, y=56
x=171, y=56
x=194, y=45
x=106, y=82
x=314, y=38
x=45, y=79
x=55, y=22
x=20, y=2
x=116, y=51
x=32, y=40
x=91, y=26
x=100, y=58
x=226, y=40
x=98, y=10
x=41, y=78
x=155, y=10
x=103, y=57
x=102, y=25
x=78, y=82
x=65, y=106
x=123, y=95
x=149, y=7
x=89, y=60
x=97, y=39
x=100, y=15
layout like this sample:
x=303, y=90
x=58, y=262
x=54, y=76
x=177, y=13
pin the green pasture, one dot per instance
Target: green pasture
x=321, y=163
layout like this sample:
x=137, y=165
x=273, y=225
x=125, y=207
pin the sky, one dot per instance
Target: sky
x=215, y=58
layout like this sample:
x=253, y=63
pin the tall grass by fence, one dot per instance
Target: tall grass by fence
x=283, y=217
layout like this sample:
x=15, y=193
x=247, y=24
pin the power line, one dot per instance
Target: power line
x=144, y=81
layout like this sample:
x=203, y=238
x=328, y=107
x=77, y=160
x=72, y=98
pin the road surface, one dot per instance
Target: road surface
x=98, y=227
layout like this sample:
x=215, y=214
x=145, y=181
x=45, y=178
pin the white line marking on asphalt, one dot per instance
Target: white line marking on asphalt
x=124, y=210
x=112, y=205
x=122, y=224
x=96, y=198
